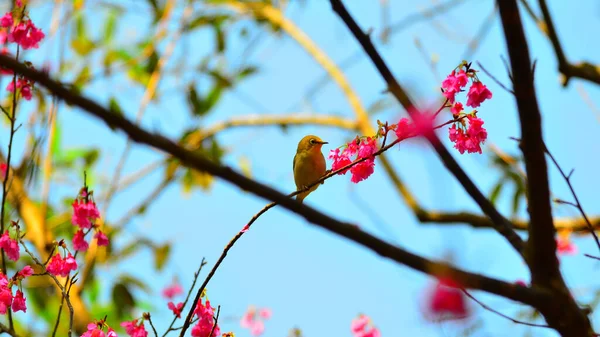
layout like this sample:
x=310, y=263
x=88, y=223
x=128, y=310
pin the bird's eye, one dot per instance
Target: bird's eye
x=312, y=141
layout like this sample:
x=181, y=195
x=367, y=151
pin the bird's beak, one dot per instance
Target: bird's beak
x=322, y=142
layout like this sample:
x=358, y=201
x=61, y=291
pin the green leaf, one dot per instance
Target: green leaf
x=81, y=42
x=204, y=20
x=519, y=192
x=246, y=71
x=161, y=254
x=496, y=191
x=56, y=141
x=109, y=27
x=83, y=77
x=123, y=300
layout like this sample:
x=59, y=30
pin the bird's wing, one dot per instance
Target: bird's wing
x=294, y=165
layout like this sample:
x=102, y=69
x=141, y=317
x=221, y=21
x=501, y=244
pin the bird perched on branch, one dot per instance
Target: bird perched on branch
x=309, y=164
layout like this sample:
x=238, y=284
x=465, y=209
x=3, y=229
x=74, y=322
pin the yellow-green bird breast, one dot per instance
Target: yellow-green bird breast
x=309, y=166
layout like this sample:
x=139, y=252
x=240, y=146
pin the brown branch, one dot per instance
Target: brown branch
x=490, y=309
x=583, y=70
x=531, y=296
x=564, y=315
x=501, y=224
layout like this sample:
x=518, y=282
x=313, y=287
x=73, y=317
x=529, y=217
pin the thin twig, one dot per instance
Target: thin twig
x=187, y=297
x=494, y=78
x=490, y=309
x=216, y=321
x=152, y=325
x=577, y=204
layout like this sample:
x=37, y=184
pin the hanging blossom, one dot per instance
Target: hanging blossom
x=96, y=329
x=564, y=245
x=172, y=290
x=468, y=136
x=3, y=169
x=205, y=323
x=10, y=246
x=18, y=302
x=176, y=308
x=61, y=266
x=135, y=328
x=358, y=148
x=85, y=214
x=23, y=85
x=362, y=326
x=447, y=300
x=253, y=320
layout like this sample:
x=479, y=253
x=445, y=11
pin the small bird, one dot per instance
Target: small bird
x=309, y=164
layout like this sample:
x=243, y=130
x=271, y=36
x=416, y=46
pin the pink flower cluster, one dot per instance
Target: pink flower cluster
x=363, y=327
x=170, y=292
x=361, y=148
x=135, y=328
x=16, y=27
x=85, y=213
x=454, y=83
x=61, y=266
x=253, y=320
x=205, y=323
x=447, y=300
x=564, y=246
x=3, y=169
x=7, y=300
x=468, y=138
x=97, y=330
x=10, y=246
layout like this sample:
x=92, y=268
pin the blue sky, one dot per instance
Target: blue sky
x=313, y=279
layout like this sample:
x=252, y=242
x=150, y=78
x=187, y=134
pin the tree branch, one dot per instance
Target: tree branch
x=583, y=70
x=501, y=224
x=566, y=318
x=532, y=296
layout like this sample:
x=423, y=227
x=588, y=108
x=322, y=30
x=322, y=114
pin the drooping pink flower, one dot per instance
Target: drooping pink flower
x=23, y=85
x=79, y=242
x=367, y=147
x=111, y=333
x=251, y=320
x=456, y=108
x=172, y=290
x=3, y=168
x=10, y=246
x=134, y=329
x=564, y=246
x=363, y=327
x=176, y=308
x=18, y=302
x=362, y=170
x=265, y=313
x=25, y=272
x=60, y=266
x=101, y=239
x=339, y=160
x=471, y=139
x=477, y=94
x=84, y=213
x=206, y=322
x=404, y=129
x=93, y=331
x=448, y=300
x=3, y=280
x=7, y=20
x=6, y=298
x=26, y=34
x=423, y=122
x=453, y=84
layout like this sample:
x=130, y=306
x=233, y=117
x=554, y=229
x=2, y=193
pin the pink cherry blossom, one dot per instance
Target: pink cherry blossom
x=453, y=84
x=93, y=331
x=251, y=320
x=404, y=129
x=471, y=139
x=101, y=239
x=23, y=85
x=521, y=283
x=265, y=313
x=175, y=308
x=362, y=170
x=172, y=290
x=7, y=20
x=26, y=34
x=477, y=94
x=206, y=322
x=18, y=303
x=134, y=329
x=363, y=327
x=84, y=213
x=6, y=298
x=339, y=160
x=564, y=246
x=79, y=242
x=10, y=246
x=3, y=168
x=25, y=272
x=456, y=108
x=60, y=266
x=448, y=300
